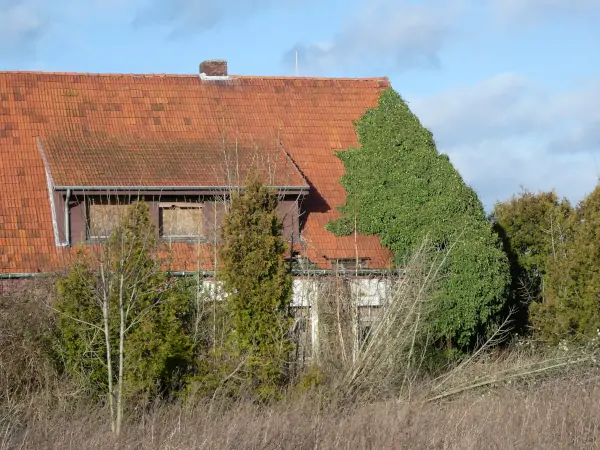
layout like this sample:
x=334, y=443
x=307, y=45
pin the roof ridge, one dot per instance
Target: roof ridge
x=99, y=74
x=178, y=75
x=286, y=77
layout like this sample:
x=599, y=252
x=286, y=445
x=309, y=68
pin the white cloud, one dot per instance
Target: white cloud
x=581, y=138
x=535, y=10
x=505, y=103
x=384, y=33
x=507, y=131
x=498, y=169
x=196, y=16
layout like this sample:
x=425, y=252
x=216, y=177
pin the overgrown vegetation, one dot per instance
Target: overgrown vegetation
x=121, y=322
x=554, y=251
x=555, y=415
x=533, y=228
x=117, y=343
x=401, y=189
x=26, y=342
x=570, y=309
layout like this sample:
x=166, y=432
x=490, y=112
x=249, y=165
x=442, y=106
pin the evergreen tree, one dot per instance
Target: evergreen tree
x=258, y=285
x=403, y=191
x=533, y=228
x=570, y=308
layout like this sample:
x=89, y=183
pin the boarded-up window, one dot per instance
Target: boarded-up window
x=103, y=219
x=181, y=220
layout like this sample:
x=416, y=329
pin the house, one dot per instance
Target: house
x=75, y=147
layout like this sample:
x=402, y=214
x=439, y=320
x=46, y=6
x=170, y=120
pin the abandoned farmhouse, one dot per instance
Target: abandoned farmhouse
x=74, y=148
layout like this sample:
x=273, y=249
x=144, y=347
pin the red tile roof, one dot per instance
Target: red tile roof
x=311, y=118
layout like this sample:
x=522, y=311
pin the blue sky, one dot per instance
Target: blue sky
x=510, y=88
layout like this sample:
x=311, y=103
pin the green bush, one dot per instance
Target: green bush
x=533, y=227
x=216, y=367
x=401, y=189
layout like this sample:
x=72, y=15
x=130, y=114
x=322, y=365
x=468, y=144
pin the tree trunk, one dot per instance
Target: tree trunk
x=121, y=357
x=105, y=320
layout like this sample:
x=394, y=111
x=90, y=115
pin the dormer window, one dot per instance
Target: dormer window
x=164, y=172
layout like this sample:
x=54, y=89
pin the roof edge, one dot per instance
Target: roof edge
x=294, y=77
x=50, y=187
x=183, y=75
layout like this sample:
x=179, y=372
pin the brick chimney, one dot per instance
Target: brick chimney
x=214, y=68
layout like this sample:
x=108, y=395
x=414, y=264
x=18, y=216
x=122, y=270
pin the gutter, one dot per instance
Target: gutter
x=171, y=188
x=211, y=273
x=67, y=221
x=296, y=272
x=10, y=276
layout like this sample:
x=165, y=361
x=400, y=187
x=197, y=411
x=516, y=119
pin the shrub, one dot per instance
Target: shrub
x=26, y=354
x=122, y=322
x=533, y=228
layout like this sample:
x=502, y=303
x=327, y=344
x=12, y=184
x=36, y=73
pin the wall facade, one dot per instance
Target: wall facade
x=213, y=209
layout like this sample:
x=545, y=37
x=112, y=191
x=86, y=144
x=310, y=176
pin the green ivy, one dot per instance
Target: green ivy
x=401, y=189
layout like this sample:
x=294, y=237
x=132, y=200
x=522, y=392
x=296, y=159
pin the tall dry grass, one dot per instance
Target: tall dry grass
x=556, y=414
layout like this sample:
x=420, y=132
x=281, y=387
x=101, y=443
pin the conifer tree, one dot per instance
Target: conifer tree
x=533, y=228
x=570, y=308
x=258, y=285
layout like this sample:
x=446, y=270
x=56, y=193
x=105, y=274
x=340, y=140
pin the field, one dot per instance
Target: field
x=557, y=412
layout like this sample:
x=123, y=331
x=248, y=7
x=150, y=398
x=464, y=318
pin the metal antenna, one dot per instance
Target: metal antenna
x=296, y=61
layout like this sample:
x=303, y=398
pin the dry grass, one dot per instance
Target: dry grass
x=556, y=414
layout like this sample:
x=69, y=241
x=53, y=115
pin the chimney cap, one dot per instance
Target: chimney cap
x=212, y=68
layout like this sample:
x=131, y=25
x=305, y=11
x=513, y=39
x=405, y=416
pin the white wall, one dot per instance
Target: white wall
x=368, y=291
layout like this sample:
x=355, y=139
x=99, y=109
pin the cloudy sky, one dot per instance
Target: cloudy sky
x=510, y=88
